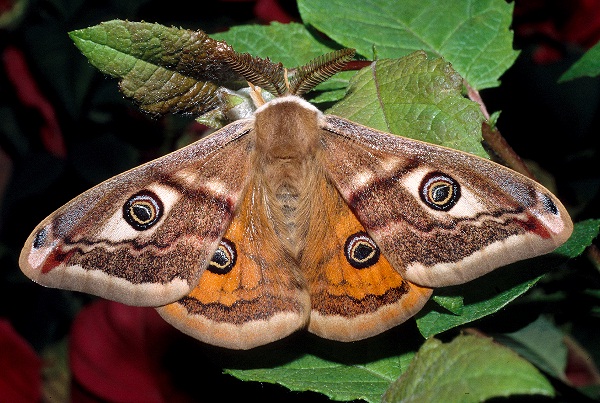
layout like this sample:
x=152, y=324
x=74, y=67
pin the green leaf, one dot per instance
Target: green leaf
x=335, y=380
x=453, y=303
x=348, y=371
x=468, y=369
x=291, y=44
x=541, y=343
x=583, y=235
x=588, y=65
x=473, y=35
x=490, y=293
x=414, y=97
x=493, y=120
x=481, y=297
x=162, y=69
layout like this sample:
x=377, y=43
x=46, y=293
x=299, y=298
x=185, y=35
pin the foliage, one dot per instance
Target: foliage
x=588, y=65
x=474, y=36
x=438, y=373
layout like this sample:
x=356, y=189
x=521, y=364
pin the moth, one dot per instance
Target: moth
x=291, y=219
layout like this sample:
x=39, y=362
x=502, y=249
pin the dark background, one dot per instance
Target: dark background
x=64, y=127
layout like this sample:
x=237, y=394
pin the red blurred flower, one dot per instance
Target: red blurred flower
x=267, y=10
x=30, y=96
x=116, y=352
x=5, y=5
x=271, y=10
x=556, y=24
x=581, y=370
x=20, y=368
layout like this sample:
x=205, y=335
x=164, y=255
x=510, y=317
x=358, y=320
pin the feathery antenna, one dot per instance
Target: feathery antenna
x=304, y=78
x=260, y=72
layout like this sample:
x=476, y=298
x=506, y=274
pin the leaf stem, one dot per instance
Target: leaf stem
x=494, y=141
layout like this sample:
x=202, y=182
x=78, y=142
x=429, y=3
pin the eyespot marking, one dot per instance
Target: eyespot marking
x=143, y=210
x=40, y=238
x=549, y=204
x=439, y=191
x=224, y=258
x=361, y=251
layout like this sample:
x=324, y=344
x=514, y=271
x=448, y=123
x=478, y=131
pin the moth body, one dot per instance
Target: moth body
x=286, y=148
x=293, y=219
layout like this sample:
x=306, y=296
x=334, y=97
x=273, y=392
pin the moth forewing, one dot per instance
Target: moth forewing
x=441, y=216
x=143, y=237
